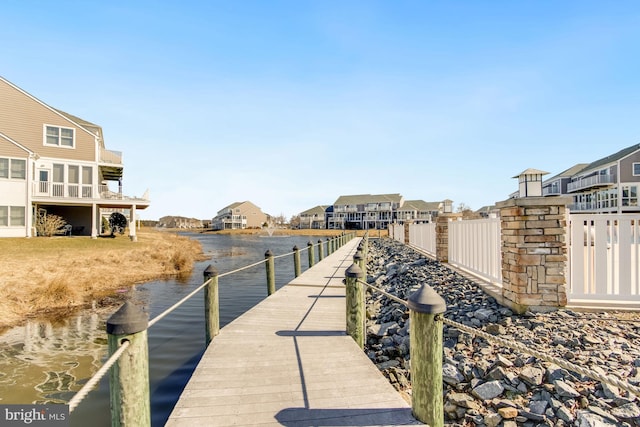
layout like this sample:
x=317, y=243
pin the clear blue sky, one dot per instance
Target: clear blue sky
x=290, y=104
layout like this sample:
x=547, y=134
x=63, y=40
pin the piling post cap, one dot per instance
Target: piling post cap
x=354, y=271
x=426, y=300
x=129, y=319
x=358, y=256
x=210, y=271
x=319, y=240
x=268, y=253
x=309, y=243
x=295, y=248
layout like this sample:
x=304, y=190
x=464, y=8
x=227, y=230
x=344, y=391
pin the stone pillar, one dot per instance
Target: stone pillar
x=534, y=251
x=442, y=235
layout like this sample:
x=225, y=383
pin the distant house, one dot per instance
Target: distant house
x=418, y=211
x=607, y=185
x=557, y=185
x=377, y=211
x=54, y=163
x=239, y=215
x=364, y=211
x=314, y=218
x=179, y=222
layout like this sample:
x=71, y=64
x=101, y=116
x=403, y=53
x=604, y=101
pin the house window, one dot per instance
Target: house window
x=636, y=169
x=59, y=137
x=4, y=168
x=12, y=216
x=13, y=168
x=18, y=169
x=629, y=195
x=16, y=215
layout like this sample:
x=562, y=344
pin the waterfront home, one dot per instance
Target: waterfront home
x=54, y=163
x=607, y=185
x=314, y=218
x=238, y=216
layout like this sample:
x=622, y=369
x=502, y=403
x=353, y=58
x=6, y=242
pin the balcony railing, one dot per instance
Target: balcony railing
x=109, y=156
x=60, y=190
x=591, y=181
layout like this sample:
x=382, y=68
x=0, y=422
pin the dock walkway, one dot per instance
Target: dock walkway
x=288, y=361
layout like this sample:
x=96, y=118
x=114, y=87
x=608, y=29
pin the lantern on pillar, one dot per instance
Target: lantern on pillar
x=530, y=183
x=447, y=206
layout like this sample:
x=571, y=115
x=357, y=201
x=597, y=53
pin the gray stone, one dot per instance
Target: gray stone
x=627, y=411
x=463, y=400
x=538, y=406
x=531, y=375
x=451, y=375
x=565, y=390
x=589, y=419
x=565, y=414
x=488, y=390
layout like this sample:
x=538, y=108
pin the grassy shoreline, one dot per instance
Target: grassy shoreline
x=54, y=276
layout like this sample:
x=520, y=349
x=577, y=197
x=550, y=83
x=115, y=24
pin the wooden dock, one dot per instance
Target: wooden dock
x=288, y=361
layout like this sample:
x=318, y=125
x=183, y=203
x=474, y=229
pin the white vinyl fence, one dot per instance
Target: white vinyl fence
x=604, y=255
x=423, y=236
x=397, y=232
x=475, y=246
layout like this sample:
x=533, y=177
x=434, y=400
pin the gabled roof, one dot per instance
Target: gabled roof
x=97, y=130
x=420, y=206
x=88, y=127
x=321, y=209
x=612, y=157
x=569, y=172
x=361, y=199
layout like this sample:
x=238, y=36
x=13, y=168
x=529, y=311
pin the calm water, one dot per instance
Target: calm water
x=47, y=362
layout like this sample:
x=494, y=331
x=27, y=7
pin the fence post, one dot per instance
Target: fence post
x=296, y=261
x=129, y=377
x=320, y=250
x=355, y=304
x=211, y=304
x=271, y=272
x=311, y=253
x=329, y=246
x=425, y=309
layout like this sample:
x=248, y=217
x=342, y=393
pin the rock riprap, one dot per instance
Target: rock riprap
x=488, y=384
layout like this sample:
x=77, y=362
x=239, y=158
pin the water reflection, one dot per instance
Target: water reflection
x=42, y=361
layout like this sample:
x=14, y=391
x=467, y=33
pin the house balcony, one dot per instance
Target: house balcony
x=111, y=167
x=592, y=182
x=110, y=157
x=66, y=192
x=551, y=191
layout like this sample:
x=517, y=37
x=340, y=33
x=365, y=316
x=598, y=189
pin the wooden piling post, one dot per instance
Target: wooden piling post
x=296, y=261
x=320, y=250
x=271, y=272
x=129, y=376
x=355, y=304
x=425, y=311
x=311, y=253
x=359, y=259
x=211, y=304
x=329, y=246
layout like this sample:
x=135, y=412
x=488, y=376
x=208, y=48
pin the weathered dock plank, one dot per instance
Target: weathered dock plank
x=288, y=361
